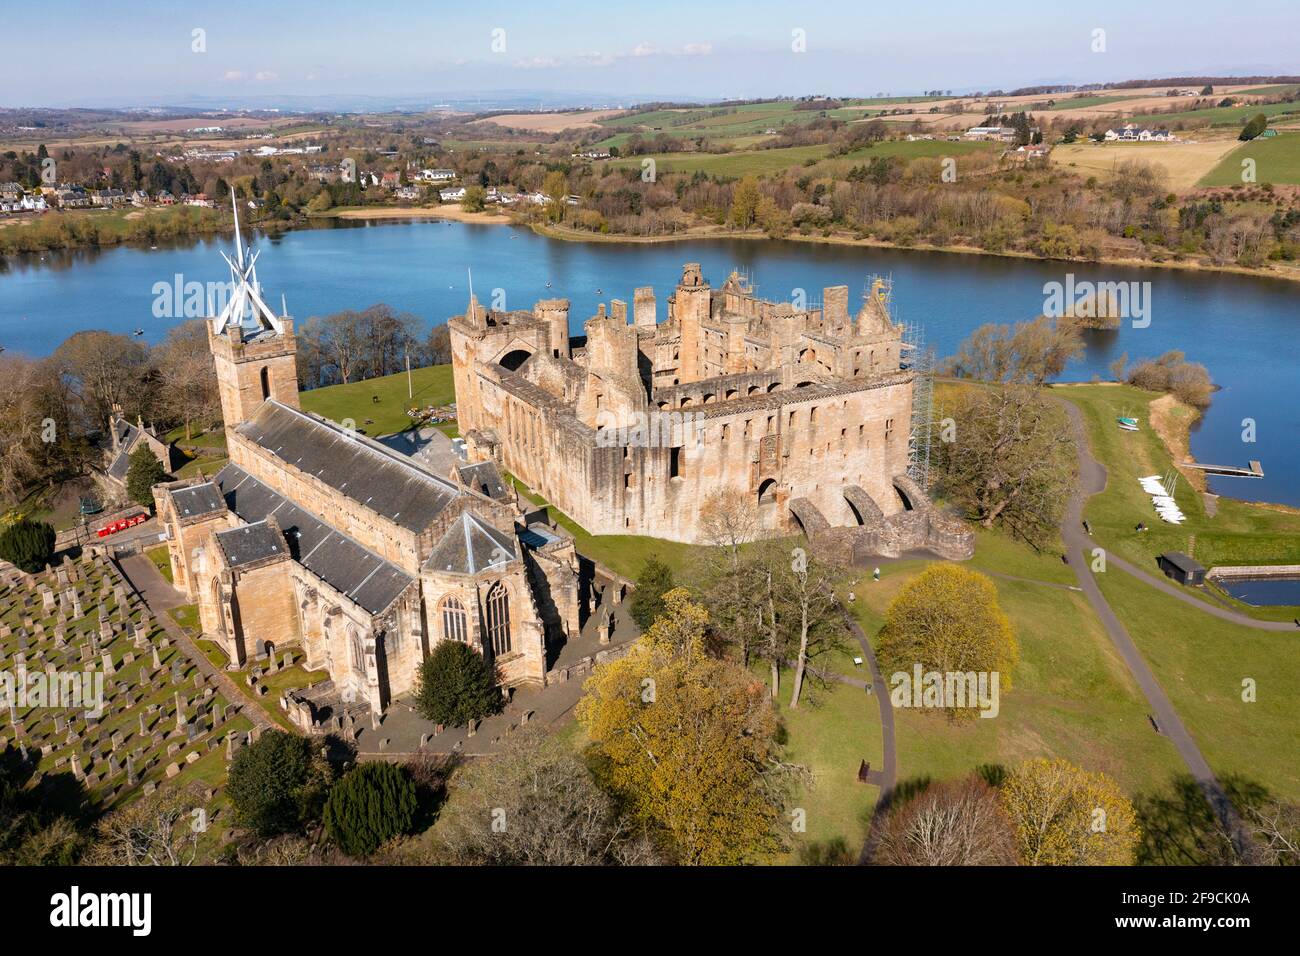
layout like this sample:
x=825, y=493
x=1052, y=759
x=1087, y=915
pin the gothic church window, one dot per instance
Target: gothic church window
x=498, y=620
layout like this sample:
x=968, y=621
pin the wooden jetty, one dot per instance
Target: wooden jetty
x=1255, y=469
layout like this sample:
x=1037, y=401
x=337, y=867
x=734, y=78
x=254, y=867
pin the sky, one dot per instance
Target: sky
x=123, y=52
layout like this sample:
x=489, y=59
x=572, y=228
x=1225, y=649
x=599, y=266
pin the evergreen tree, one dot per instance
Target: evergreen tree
x=1257, y=124
x=372, y=804
x=456, y=685
x=655, y=579
x=271, y=783
x=144, y=472
x=28, y=544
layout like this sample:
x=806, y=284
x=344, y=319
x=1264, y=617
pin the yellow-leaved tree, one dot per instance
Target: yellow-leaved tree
x=1067, y=816
x=948, y=620
x=687, y=741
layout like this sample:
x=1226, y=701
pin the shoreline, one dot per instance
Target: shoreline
x=454, y=213
x=576, y=235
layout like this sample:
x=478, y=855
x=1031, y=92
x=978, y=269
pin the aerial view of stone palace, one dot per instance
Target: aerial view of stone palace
x=805, y=412
x=316, y=536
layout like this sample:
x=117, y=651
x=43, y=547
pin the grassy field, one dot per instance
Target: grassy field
x=1217, y=115
x=161, y=561
x=1071, y=697
x=1201, y=661
x=1184, y=163
x=356, y=400
x=1277, y=160
x=1240, y=533
x=830, y=733
x=762, y=162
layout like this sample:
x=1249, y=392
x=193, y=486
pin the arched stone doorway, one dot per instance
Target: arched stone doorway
x=512, y=360
x=767, y=503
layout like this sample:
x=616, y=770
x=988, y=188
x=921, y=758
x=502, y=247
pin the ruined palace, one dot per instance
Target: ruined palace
x=629, y=428
x=320, y=538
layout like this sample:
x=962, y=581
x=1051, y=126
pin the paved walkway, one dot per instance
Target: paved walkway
x=1078, y=547
x=888, y=774
x=160, y=598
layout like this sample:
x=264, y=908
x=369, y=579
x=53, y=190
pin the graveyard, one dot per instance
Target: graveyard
x=145, y=714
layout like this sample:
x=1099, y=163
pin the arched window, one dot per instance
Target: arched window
x=498, y=620
x=358, y=651
x=455, y=625
x=266, y=382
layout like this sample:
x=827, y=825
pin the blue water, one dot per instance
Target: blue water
x=1283, y=591
x=1243, y=329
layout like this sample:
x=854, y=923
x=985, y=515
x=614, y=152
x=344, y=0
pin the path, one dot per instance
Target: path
x=162, y=597
x=887, y=776
x=1078, y=546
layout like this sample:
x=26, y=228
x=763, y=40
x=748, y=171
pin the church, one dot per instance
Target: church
x=317, y=537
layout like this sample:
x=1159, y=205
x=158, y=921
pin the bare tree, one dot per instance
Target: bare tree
x=157, y=830
x=728, y=522
x=949, y=824
x=187, y=375
x=808, y=589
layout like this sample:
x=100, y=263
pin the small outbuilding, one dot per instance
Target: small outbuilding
x=1182, y=568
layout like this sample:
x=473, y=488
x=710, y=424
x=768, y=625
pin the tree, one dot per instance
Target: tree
x=28, y=544
x=655, y=580
x=102, y=370
x=534, y=804
x=808, y=606
x=144, y=471
x=728, y=521
x=1031, y=352
x=475, y=199
x=275, y=785
x=1254, y=126
x=187, y=376
x=456, y=685
x=1011, y=461
x=688, y=742
x=744, y=203
x=370, y=805
x=947, y=620
x=949, y=824
x=155, y=830
x=556, y=189
x=1067, y=816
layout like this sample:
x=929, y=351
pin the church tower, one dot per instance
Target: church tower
x=254, y=350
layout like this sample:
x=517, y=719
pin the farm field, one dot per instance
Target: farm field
x=1218, y=115
x=1185, y=163
x=1277, y=161
x=548, y=122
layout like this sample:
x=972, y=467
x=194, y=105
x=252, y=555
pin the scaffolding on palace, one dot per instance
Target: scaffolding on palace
x=920, y=360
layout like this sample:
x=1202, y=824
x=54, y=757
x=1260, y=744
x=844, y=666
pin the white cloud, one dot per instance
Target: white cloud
x=265, y=75
x=698, y=49
x=233, y=75
x=644, y=49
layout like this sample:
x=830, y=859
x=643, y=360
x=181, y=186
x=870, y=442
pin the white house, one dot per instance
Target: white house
x=438, y=175
x=454, y=194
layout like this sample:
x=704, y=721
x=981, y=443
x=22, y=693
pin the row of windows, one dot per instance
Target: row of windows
x=455, y=620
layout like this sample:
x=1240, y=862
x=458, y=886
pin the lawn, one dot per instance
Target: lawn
x=1240, y=533
x=1201, y=661
x=432, y=385
x=830, y=733
x=162, y=561
x=1277, y=160
x=1071, y=697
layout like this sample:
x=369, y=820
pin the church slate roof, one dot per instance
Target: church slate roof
x=198, y=500
x=484, y=478
x=249, y=543
x=472, y=545
x=337, y=559
x=386, y=482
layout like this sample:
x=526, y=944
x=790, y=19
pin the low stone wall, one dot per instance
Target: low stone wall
x=1254, y=571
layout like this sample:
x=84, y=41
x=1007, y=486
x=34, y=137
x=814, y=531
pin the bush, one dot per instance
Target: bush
x=456, y=685
x=371, y=804
x=28, y=544
x=273, y=784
